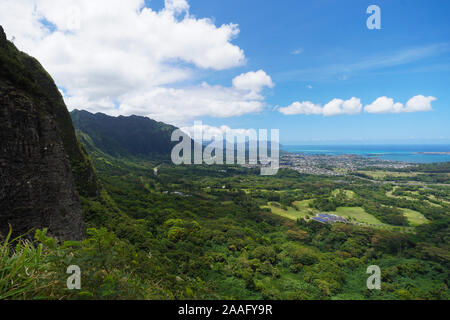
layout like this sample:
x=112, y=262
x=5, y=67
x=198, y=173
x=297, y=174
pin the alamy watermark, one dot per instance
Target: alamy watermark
x=243, y=147
x=374, y=281
x=74, y=281
x=374, y=20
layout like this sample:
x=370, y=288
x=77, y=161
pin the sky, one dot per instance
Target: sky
x=312, y=69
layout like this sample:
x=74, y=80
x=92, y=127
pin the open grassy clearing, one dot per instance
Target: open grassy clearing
x=301, y=209
x=431, y=197
x=348, y=193
x=415, y=218
x=357, y=214
x=391, y=194
x=341, y=170
x=380, y=175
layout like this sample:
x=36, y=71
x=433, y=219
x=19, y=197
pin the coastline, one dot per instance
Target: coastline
x=415, y=154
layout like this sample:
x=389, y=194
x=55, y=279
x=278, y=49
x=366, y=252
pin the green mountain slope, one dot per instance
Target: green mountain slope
x=124, y=136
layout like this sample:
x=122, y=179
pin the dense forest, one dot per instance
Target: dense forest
x=201, y=232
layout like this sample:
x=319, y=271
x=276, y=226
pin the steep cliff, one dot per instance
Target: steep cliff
x=41, y=162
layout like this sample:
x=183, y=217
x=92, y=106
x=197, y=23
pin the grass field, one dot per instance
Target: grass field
x=303, y=206
x=348, y=193
x=358, y=214
x=380, y=175
x=413, y=193
x=415, y=218
x=301, y=210
x=434, y=198
x=391, y=194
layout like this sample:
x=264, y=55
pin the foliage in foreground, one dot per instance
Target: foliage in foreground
x=37, y=270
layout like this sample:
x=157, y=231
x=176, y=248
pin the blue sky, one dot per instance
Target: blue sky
x=335, y=44
x=309, y=68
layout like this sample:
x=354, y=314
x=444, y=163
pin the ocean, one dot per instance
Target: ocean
x=404, y=153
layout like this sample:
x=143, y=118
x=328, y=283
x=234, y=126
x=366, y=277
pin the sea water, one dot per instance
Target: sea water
x=404, y=153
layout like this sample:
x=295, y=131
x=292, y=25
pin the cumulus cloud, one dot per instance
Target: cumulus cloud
x=418, y=103
x=253, y=82
x=354, y=106
x=333, y=108
x=120, y=57
x=176, y=5
x=305, y=107
x=337, y=107
x=384, y=105
x=176, y=105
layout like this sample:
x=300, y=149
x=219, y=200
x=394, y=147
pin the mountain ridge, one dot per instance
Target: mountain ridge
x=124, y=135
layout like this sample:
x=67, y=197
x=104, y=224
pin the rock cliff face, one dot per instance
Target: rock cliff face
x=41, y=162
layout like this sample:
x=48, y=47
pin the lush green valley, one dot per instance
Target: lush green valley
x=200, y=232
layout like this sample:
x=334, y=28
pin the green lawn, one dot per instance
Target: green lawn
x=303, y=206
x=415, y=218
x=301, y=210
x=358, y=214
x=436, y=199
x=391, y=194
x=348, y=193
x=380, y=174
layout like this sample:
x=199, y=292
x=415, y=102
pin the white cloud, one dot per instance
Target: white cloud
x=253, y=82
x=338, y=107
x=387, y=105
x=180, y=105
x=419, y=103
x=120, y=57
x=384, y=105
x=333, y=108
x=353, y=106
x=305, y=107
x=176, y=5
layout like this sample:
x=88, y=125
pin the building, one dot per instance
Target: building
x=329, y=218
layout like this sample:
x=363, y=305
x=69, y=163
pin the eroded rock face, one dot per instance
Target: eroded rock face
x=37, y=187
